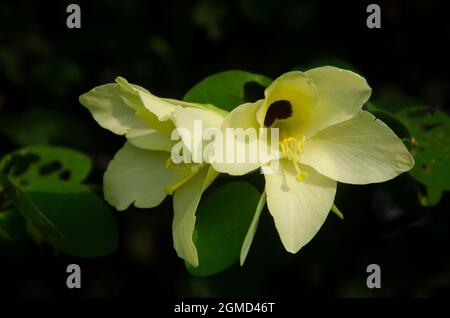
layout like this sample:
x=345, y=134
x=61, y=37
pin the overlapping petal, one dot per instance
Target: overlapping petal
x=137, y=176
x=185, y=203
x=110, y=111
x=193, y=125
x=108, y=108
x=243, y=130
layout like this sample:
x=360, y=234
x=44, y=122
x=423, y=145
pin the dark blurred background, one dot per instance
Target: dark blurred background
x=167, y=47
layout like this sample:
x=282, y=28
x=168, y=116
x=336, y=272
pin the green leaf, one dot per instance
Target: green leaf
x=431, y=196
x=394, y=101
x=430, y=135
x=12, y=226
x=25, y=166
x=68, y=216
x=30, y=211
x=43, y=183
x=13, y=235
x=223, y=219
x=228, y=89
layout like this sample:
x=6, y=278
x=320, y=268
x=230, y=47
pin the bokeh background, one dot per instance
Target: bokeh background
x=167, y=47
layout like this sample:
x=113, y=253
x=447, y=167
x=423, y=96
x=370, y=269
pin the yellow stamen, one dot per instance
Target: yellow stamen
x=291, y=149
x=301, y=176
x=283, y=148
x=301, y=144
x=169, y=162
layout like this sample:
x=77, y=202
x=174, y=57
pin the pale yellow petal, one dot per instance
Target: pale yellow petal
x=192, y=124
x=109, y=110
x=340, y=96
x=185, y=203
x=240, y=149
x=298, y=208
x=359, y=151
x=137, y=176
x=289, y=104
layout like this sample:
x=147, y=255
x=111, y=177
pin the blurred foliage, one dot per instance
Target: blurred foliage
x=12, y=232
x=166, y=47
x=39, y=126
x=430, y=131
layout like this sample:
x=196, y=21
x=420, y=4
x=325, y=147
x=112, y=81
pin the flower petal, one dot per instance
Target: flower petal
x=289, y=103
x=298, y=208
x=138, y=97
x=252, y=229
x=182, y=103
x=194, y=122
x=112, y=113
x=243, y=120
x=139, y=176
x=358, y=151
x=109, y=110
x=340, y=96
x=150, y=139
x=185, y=202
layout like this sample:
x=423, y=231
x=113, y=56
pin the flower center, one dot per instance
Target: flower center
x=280, y=109
x=291, y=149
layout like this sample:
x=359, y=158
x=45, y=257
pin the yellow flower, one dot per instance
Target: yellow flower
x=324, y=137
x=142, y=172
